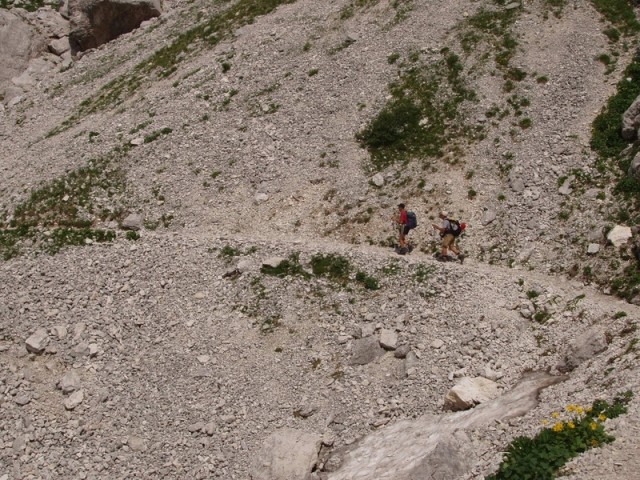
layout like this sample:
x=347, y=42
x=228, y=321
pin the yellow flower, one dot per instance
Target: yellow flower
x=571, y=408
x=571, y=425
x=555, y=415
x=545, y=422
x=558, y=427
x=594, y=442
x=593, y=425
x=589, y=410
x=579, y=410
x=602, y=417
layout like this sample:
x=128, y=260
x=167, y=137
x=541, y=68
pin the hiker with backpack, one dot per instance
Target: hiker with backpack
x=405, y=222
x=449, y=231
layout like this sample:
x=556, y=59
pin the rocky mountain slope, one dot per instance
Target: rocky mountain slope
x=234, y=131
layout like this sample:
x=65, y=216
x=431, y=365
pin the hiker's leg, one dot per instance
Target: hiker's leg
x=447, y=243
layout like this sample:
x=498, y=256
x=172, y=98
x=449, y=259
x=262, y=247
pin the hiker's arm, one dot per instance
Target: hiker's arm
x=440, y=229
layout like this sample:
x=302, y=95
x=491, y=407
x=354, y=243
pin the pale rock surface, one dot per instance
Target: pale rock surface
x=469, y=392
x=619, y=235
x=402, y=451
x=287, y=454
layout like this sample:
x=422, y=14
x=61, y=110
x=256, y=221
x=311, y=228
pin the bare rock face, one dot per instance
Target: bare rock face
x=95, y=22
x=585, y=347
x=287, y=454
x=19, y=43
x=432, y=446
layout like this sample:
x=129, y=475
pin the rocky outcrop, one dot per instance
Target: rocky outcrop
x=287, y=454
x=432, y=446
x=31, y=45
x=95, y=22
x=19, y=43
x=631, y=121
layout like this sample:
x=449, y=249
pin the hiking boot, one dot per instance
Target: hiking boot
x=461, y=257
x=402, y=251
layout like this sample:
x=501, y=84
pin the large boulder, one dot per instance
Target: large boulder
x=631, y=121
x=95, y=22
x=469, y=392
x=19, y=43
x=287, y=454
x=619, y=235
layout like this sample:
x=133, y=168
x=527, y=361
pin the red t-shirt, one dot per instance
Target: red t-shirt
x=403, y=217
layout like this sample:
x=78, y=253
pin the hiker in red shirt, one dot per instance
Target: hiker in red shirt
x=403, y=228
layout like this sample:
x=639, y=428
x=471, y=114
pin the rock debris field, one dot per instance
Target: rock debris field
x=247, y=319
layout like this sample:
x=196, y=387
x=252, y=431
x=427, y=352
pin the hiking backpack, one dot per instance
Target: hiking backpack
x=455, y=227
x=412, y=220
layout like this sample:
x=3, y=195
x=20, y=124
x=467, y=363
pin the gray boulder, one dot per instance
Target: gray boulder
x=37, y=342
x=287, y=454
x=631, y=121
x=366, y=350
x=95, y=22
x=132, y=222
x=634, y=168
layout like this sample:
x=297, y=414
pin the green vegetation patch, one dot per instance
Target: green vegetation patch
x=423, y=116
x=62, y=212
x=164, y=61
x=287, y=267
x=620, y=13
x=335, y=267
x=542, y=456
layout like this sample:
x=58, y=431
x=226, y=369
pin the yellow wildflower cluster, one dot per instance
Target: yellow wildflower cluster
x=578, y=413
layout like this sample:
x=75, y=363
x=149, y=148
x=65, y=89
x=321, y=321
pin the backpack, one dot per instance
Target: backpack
x=455, y=227
x=412, y=220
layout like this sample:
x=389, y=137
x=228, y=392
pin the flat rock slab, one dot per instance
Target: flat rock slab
x=366, y=350
x=287, y=454
x=469, y=392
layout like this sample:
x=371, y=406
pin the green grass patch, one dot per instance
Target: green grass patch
x=335, y=267
x=424, y=115
x=61, y=212
x=288, y=267
x=369, y=282
x=620, y=13
x=542, y=456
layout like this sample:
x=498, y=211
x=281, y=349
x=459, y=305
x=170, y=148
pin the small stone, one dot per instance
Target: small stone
x=377, y=180
x=22, y=399
x=204, y=358
x=60, y=332
x=75, y=399
x=70, y=382
x=195, y=427
x=402, y=351
x=388, y=339
x=133, y=222
x=437, y=344
x=37, y=342
x=593, y=248
x=136, y=444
